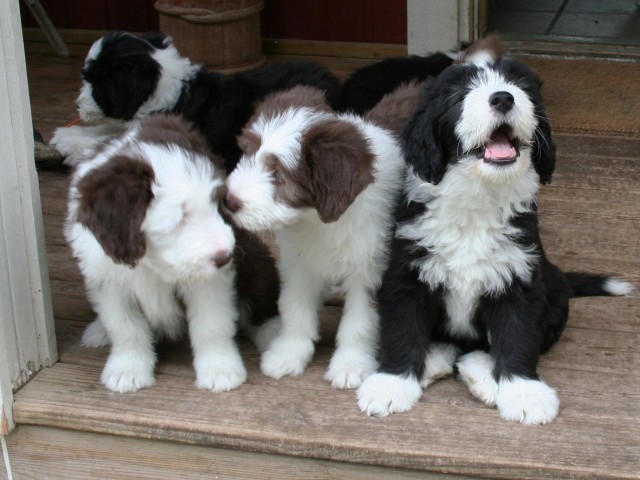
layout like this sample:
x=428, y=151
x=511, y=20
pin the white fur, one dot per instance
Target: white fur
x=479, y=120
x=460, y=207
x=315, y=255
x=184, y=232
x=527, y=401
x=382, y=394
x=75, y=142
x=476, y=370
x=439, y=362
x=619, y=288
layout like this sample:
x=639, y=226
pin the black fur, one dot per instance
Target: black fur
x=124, y=76
x=365, y=87
x=528, y=316
x=221, y=105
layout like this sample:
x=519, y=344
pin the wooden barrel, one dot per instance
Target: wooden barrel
x=224, y=35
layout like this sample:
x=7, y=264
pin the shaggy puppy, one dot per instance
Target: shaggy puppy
x=467, y=265
x=326, y=185
x=143, y=222
x=367, y=86
x=127, y=77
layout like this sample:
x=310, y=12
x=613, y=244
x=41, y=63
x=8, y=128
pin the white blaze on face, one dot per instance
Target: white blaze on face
x=254, y=186
x=479, y=120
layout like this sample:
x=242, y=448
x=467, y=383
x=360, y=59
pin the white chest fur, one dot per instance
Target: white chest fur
x=472, y=245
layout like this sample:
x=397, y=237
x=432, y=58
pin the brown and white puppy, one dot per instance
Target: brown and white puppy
x=326, y=185
x=144, y=223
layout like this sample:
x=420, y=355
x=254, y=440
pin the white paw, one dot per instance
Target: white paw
x=528, y=401
x=220, y=372
x=439, y=362
x=382, y=393
x=128, y=372
x=264, y=335
x=476, y=370
x=349, y=367
x=287, y=356
x=95, y=335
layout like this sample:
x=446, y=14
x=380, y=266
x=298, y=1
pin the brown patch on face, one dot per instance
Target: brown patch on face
x=249, y=142
x=395, y=108
x=165, y=129
x=340, y=166
x=113, y=204
x=292, y=186
x=296, y=97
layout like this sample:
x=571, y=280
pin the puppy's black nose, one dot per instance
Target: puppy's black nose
x=232, y=203
x=501, y=101
x=222, y=258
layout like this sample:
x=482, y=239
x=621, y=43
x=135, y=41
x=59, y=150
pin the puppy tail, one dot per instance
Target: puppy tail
x=588, y=285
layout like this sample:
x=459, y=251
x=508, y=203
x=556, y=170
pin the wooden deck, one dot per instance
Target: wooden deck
x=71, y=427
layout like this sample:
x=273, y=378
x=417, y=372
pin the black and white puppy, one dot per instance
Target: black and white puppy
x=127, y=77
x=468, y=272
x=154, y=250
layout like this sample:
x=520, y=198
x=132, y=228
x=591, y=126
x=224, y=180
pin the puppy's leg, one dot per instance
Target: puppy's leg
x=354, y=358
x=291, y=351
x=212, y=315
x=132, y=359
x=515, y=349
x=404, y=341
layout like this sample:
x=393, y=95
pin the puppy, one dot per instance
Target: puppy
x=367, y=86
x=468, y=272
x=128, y=77
x=144, y=224
x=326, y=185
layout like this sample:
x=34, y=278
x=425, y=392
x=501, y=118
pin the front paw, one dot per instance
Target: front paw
x=128, y=372
x=221, y=372
x=287, y=356
x=476, y=370
x=527, y=401
x=349, y=367
x=382, y=393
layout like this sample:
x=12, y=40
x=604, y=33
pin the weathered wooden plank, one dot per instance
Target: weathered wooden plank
x=309, y=419
x=40, y=452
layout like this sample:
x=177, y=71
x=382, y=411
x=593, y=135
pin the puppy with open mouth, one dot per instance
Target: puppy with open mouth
x=468, y=273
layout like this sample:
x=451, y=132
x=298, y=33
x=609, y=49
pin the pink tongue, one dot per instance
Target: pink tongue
x=499, y=148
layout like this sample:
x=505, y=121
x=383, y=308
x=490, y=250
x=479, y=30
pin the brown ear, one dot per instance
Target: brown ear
x=340, y=164
x=113, y=203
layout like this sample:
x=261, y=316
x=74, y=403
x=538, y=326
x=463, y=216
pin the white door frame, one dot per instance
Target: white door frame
x=27, y=334
x=441, y=25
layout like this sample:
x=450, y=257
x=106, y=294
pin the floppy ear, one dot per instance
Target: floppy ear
x=113, y=203
x=121, y=84
x=544, y=150
x=423, y=149
x=340, y=165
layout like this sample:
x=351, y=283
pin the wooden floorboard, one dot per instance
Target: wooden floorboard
x=590, y=220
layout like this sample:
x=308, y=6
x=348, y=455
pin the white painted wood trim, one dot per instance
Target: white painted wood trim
x=27, y=334
x=441, y=25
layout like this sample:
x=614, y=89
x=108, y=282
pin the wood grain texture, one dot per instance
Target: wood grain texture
x=40, y=452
